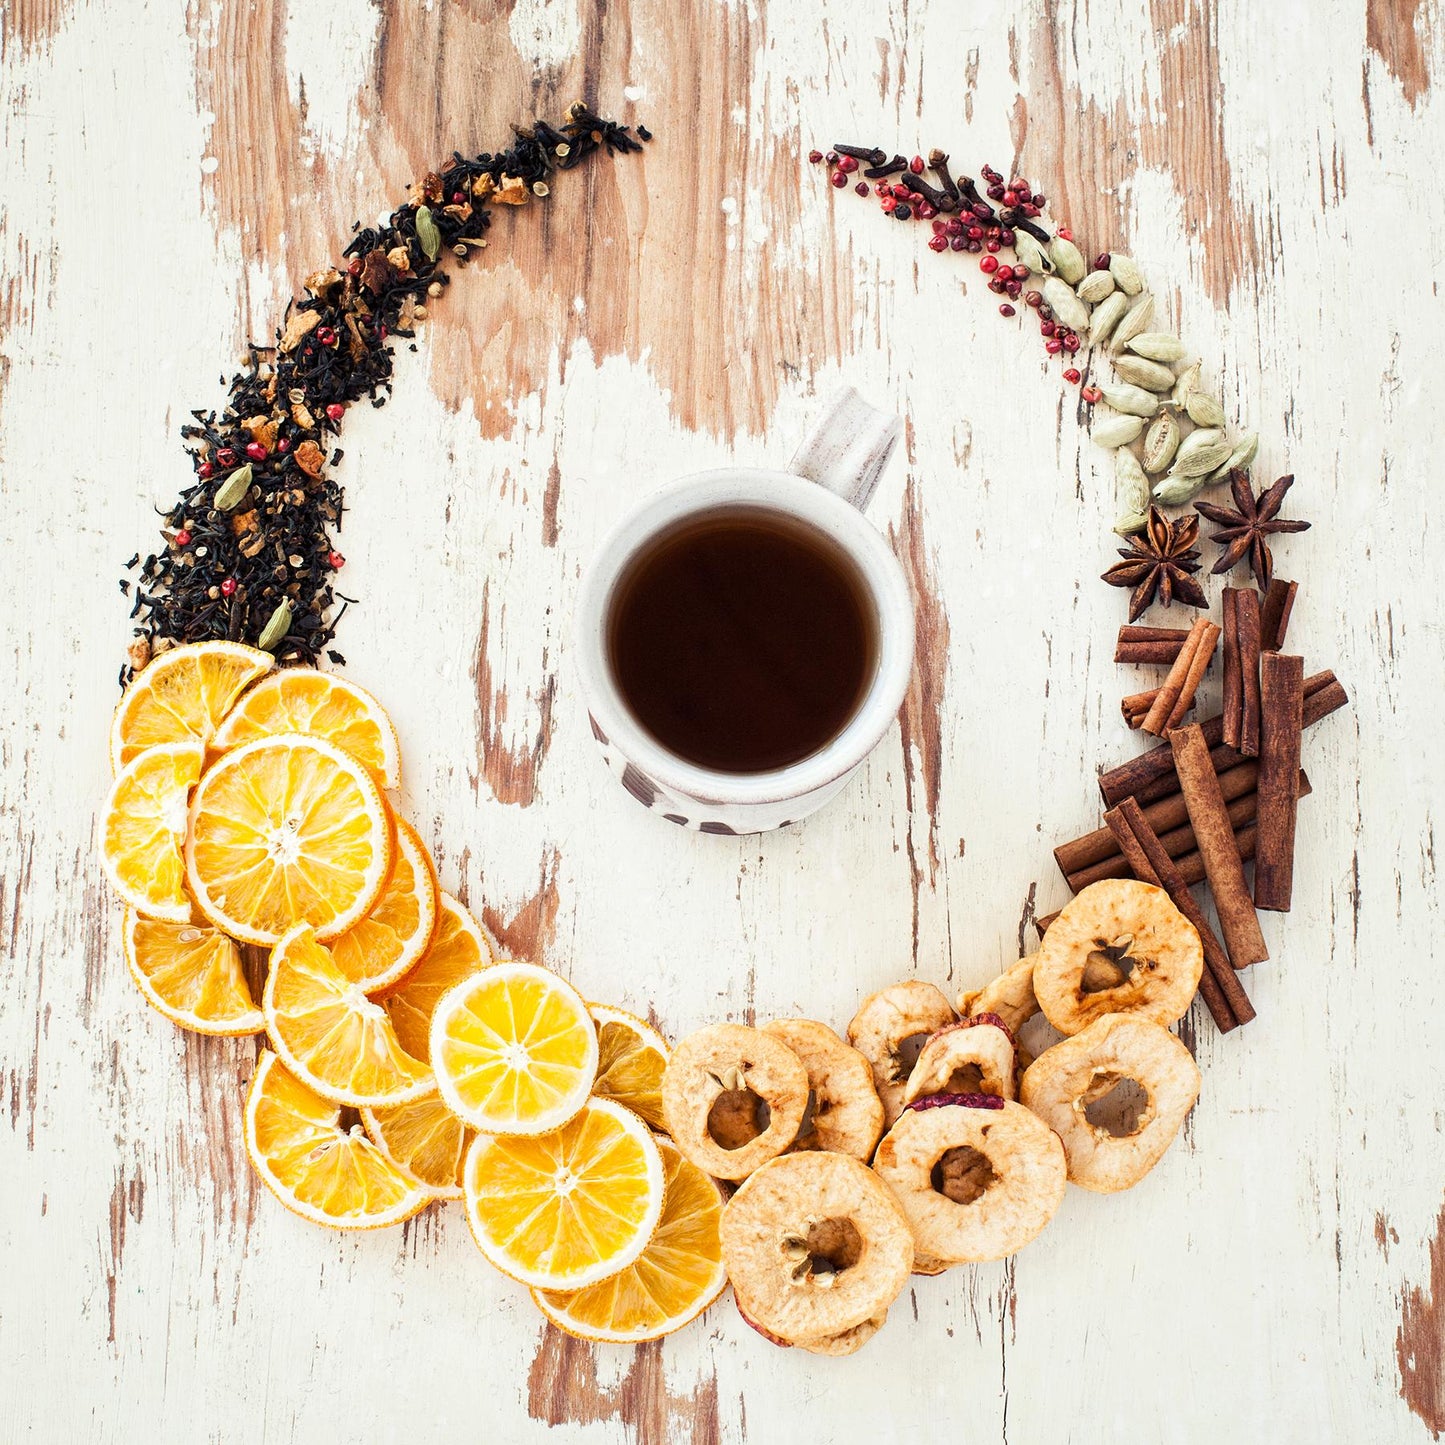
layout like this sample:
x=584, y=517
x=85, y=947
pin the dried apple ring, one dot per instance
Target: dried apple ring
x=975, y=1183
x=1119, y=947
x=846, y=1115
x=848, y=1342
x=815, y=1245
x=1080, y=1089
x=733, y=1098
x=975, y=1056
x=884, y=1023
x=1010, y=996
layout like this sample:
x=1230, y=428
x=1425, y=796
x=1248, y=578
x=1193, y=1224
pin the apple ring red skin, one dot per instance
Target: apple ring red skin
x=885, y=1021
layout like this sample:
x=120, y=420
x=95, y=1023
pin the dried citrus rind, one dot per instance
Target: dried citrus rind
x=815, y=1244
x=974, y=1056
x=975, y=1183
x=884, y=1023
x=1061, y=1084
x=425, y=1140
x=1010, y=996
x=847, y=1114
x=631, y=1058
x=1119, y=947
x=713, y=1087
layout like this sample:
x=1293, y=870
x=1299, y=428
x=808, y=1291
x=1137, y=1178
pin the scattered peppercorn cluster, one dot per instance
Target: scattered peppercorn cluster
x=964, y=220
x=248, y=553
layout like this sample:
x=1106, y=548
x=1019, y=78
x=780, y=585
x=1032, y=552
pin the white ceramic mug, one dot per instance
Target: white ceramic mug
x=828, y=482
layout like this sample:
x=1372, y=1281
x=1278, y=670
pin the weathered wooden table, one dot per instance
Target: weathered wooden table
x=169, y=175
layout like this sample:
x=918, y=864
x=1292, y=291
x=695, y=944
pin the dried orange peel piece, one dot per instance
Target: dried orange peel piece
x=1118, y=947
x=143, y=829
x=182, y=696
x=317, y=1169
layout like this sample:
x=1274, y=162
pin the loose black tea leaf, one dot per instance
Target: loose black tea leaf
x=248, y=550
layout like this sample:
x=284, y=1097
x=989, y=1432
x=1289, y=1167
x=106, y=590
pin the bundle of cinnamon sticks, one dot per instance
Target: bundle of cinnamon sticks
x=1215, y=794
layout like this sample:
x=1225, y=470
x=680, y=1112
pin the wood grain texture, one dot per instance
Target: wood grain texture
x=659, y=316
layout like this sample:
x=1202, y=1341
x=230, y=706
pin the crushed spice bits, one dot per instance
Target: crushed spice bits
x=250, y=557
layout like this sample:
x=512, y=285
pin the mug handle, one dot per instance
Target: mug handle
x=847, y=448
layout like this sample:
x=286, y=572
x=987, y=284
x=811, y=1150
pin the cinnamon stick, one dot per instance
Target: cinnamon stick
x=1274, y=613
x=1176, y=694
x=1214, y=834
x=1180, y=842
x=1219, y=985
x=1151, y=776
x=1149, y=644
x=1246, y=616
x=1233, y=702
x=1136, y=706
x=1281, y=721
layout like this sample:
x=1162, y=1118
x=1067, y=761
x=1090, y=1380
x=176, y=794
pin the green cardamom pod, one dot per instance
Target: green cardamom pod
x=1243, y=454
x=1106, y=316
x=276, y=628
x=1129, y=523
x=1161, y=441
x=1203, y=409
x=1067, y=308
x=1131, y=399
x=1032, y=254
x=1068, y=260
x=1176, y=491
x=1117, y=431
x=427, y=233
x=1186, y=385
x=1151, y=375
x=1095, y=287
x=229, y=493
x=1136, y=323
x=1130, y=483
x=1158, y=346
x=1199, y=461
x=1126, y=274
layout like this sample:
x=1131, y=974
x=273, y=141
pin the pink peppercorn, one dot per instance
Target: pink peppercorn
x=1065, y=234
x=916, y=165
x=335, y=561
x=815, y=156
x=848, y=164
x=1034, y=298
x=183, y=538
x=938, y=243
x=901, y=193
x=1048, y=328
x=957, y=243
x=953, y=226
x=1092, y=394
x=838, y=179
x=226, y=457
x=1072, y=376
x=326, y=335
x=204, y=470
x=1006, y=310
x=256, y=451
x=993, y=246
x=861, y=188
x=284, y=445
x=889, y=203
x=228, y=587
x=1053, y=346
x=1071, y=343
x=335, y=411
x=988, y=265
x=926, y=210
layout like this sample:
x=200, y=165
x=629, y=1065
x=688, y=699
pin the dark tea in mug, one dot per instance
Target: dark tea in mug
x=742, y=639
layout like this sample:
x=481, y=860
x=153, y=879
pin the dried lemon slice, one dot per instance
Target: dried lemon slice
x=317, y=1169
x=330, y=1035
x=459, y=947
x=514, y=1049
x=321, y=705
x=192, y=974
x=390, y=940
x=182, y=696
x=672, y=1281
x=565, y=1209
x=425, y=1140
x=631, y=1058
x=143, y=829
x=287, y=830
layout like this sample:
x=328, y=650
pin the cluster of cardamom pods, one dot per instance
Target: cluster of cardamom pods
x=1169, y=437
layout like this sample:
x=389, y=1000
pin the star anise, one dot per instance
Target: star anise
x=1159, y=561
x=1246, y=528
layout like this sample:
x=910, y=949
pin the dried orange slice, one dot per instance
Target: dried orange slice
x=514, y=1049
x=425, y=1140
x=317, y=1169
x=287, y=830
x=192, y=974
x=329, y=1034
x=672, y=1281
x=143, y=829
x=566, y=1209
x=394, y=935
x=321, y=705
x=459, y=947
x=631, y=1057
x=182, y=696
